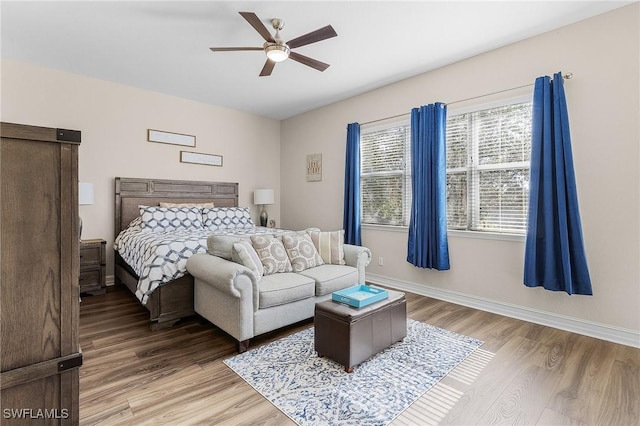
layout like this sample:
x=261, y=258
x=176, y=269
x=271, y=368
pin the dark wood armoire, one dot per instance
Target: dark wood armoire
x=39, y=293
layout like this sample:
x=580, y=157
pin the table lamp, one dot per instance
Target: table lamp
x=262, y=197
x=85, y=198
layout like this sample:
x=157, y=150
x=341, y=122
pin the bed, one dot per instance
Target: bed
x=173, y=300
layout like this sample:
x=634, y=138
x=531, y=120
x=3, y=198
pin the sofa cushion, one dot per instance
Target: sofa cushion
x=330, y=278
x=222, y=245
x=280, y=289
x=244, y=254
x=272, y=254
x=330, y=245
x=301, y=251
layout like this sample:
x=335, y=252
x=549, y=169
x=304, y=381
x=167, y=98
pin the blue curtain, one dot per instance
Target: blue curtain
x=427, y=246
x=554, y=251
x=351, y=216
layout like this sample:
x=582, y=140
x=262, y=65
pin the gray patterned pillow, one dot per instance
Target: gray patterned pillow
x=227, y=218
x=244, y=254
x=271, y=253
x=163, y=219
x=301, y=251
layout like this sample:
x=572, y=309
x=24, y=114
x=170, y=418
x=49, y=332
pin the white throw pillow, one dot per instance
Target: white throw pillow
x=330, y=245
x=244, y=254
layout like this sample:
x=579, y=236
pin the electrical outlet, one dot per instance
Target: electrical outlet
x=380, y=261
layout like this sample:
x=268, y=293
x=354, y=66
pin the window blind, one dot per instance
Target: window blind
x=385, y=175
x=490, y=192
x=488, y=156
x=457, y=170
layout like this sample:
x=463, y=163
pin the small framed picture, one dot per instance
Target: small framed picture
x=314, y=167
x=200, y=158
x=170, y=138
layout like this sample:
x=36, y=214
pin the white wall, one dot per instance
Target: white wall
x=114, y=120
x=603, y=54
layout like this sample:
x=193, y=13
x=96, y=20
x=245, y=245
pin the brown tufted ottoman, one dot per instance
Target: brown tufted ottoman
x=350, y=336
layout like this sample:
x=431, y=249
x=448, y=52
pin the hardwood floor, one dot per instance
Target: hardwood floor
x=523, y=374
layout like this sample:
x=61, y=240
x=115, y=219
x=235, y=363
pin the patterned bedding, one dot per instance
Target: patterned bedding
x=160, y=257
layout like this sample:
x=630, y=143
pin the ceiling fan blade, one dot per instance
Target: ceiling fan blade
x=233, y=49
x=312, y=37
x=257, y=24
x=268, y=67
x=313, y=63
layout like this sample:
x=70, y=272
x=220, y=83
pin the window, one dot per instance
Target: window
x=488, y=156
x=385, y=175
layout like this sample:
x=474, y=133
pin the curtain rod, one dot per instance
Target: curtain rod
x=567, y=76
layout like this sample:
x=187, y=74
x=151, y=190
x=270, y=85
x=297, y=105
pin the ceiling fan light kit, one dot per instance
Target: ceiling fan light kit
x=277, y=50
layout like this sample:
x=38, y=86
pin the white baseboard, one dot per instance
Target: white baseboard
x=588, y=328
x=110, y=280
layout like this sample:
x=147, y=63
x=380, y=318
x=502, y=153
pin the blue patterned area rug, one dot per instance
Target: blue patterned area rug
x=317, y=391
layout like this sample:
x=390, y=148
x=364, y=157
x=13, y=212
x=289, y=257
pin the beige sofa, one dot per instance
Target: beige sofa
x=244, y=304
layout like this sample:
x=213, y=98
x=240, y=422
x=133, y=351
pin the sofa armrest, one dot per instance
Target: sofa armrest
x=358, y=257
x=224, y=293
x=219, y=273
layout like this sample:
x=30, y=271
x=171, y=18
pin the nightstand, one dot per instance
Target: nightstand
x=93, y=264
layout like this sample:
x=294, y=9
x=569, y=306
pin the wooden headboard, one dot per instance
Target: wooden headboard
x=134, y=192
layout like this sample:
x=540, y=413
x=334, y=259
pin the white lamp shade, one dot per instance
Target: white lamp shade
x=277, y=54
x=85, y=193
x=263, y=196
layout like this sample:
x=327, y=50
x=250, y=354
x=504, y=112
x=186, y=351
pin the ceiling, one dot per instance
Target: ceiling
x=164, y=46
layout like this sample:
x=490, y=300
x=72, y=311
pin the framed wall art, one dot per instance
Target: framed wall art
x=314, y=167
x=200, y=158
x=170, y=138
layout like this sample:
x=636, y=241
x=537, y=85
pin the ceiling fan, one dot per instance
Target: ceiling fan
x=276, y=49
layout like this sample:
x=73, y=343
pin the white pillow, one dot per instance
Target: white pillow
x=244, y=254
x=163, y=219
x=227, y=218
x=198, y=205
x=330, y=245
